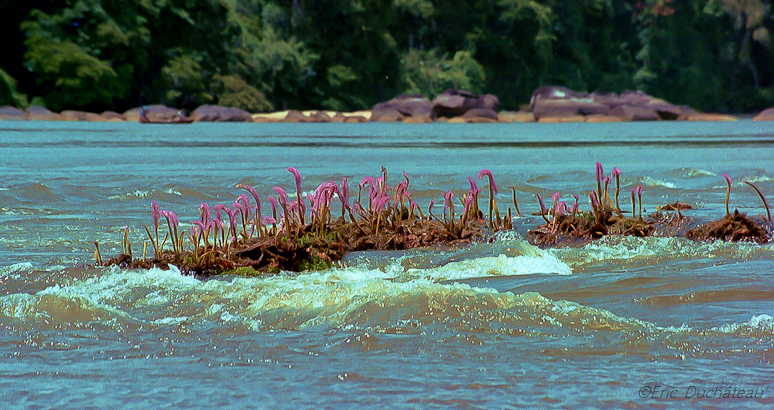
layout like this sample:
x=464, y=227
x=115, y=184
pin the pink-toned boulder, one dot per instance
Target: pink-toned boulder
x=455, y=103
x=219, y=113
x=355, y=119
x=632, y=113
x=765, y=115
x=385, y=112
x=38, y=113
x=11, y=113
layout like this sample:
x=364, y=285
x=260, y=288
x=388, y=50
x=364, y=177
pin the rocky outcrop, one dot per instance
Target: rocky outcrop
x=11, y=113
x=561, y=104
x=455, y=103
x=765, y=115
x=38, y=113
x=384, y=112
x=405, y=106
x=219, y=113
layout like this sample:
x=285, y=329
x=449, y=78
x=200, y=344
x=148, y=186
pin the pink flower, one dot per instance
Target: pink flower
x=728, y=179
x=283, y=196
x=297, y=177
x=488, y=173
x=204, y=211
x=449, y=201
x=155, y=213
x=600, y=173
x=616, y=171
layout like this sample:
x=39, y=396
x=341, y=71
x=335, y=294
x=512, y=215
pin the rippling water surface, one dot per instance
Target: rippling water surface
x=492, y=325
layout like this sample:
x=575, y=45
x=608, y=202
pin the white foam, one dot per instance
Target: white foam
x=658, y=182
x=762, y=322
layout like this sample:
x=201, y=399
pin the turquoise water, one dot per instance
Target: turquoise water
x=493, y=325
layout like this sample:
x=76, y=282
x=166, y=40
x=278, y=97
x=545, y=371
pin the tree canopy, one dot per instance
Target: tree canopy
x=715, y=55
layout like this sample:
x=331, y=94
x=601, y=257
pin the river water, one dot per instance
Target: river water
x=618, y=323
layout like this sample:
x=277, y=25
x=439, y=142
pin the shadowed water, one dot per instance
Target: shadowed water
x=492, y=325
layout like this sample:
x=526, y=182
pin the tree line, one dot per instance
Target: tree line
x=260, y=55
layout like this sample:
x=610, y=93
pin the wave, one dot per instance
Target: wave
x=631, y=251
x=658, y=182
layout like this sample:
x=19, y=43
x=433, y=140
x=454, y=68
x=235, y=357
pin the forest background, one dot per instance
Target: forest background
x=262, y=55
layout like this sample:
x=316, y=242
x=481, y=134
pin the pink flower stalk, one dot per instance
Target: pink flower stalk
x=300, y=200
x=344, y=197
x=449, y=201
x=492, y=191
x=430, y=206
x=155, y=213
x=634, y=201
x=594, y=201
x=172, y=223
x=599, y=177
x=639, y=200
x=232, y=223
x=488, y=173
x=204, y=211
x=617, y=175
x=282, y=196
x=728, y=192
x=561, y=208
x=218, y=208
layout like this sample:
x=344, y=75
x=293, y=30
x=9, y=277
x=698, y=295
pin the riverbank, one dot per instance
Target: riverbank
x=550, y=104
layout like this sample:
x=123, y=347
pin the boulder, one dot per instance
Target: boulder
x=479, y=113
x=38, y=113
x=385, y=112
x=11, y=113
x=70, y=115
x=765, y=115
x=112, y=116
x=156, y=112
x=294, y=116
x=569, y=107
x=454, y=103
x=219, y=113
x=412, y=105
x=633, y=113
x=512, y=116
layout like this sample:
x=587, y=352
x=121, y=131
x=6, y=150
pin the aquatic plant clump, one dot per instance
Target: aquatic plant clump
x=381, y=217
x=315, y=232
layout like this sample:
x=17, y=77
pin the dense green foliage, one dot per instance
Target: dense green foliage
x=715, y=55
